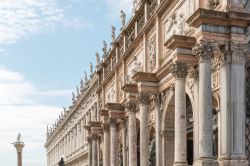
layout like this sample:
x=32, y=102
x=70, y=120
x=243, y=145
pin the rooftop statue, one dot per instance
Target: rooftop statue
x=91, y=68
x=85, y=77
x=113, y=33
x=105, y=48
x=97, y=58
x=123, y=18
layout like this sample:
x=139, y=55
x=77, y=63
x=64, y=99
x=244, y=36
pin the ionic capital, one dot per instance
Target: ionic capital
x=194, y=72
x=178, y=69
x=143, y=98
x=203, y=51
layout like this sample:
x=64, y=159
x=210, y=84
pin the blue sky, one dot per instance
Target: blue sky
x=45, y=45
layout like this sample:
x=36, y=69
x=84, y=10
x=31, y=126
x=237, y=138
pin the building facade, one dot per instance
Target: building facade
x=173, y=89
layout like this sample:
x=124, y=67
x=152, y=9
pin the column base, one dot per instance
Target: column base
x=205, y=162
x=233, y=162
x=180, y=164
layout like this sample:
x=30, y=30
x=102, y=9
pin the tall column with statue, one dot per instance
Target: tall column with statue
x=19, y=145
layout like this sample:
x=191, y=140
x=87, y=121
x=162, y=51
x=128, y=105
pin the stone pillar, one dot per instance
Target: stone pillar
x=157, y=130
x=204, y=52
x=89, y=139
x=179, y=70
x=144, y=131
x=132, y=138
x=194, y=74
x=94, y=150
x=106, y=146
x=232, y=113
x=113, y=142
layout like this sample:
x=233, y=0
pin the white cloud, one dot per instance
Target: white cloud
x=24, y=17
x=15, y=89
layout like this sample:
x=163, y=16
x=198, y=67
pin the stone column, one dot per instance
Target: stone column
x=157, y=130
x=89, y=139
x=113, y=142
x=179, y=70
x=232, y=113
x=194, y=74
x=144, y=131
x=94, y=150
x=19, y=148
x=132, y=139
x=204, y=52
x=106, y=147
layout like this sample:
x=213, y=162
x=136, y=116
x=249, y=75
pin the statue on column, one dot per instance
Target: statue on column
x=73, y=98
x=123, y=18
x=120, y=159
x=18, y=139
x=77, y=92
x=81, y=85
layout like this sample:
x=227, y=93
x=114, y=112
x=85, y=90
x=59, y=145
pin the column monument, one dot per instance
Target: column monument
x=19, y=145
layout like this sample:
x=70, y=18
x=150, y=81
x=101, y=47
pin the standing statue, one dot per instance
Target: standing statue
x=120, y=160
x=81, y=85
x=123, y=18
x=97, y=58
x=91, y=68
x=77, y=92
x=104, y=49
x=73, y=98
x=18, y=139
x=113, y=33
x=61, y=162
x=85, y=77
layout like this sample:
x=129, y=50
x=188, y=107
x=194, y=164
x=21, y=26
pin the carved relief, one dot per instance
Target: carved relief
x=152, y=53
x=111, y=94
x=175, y=23
x=120, y=85
x=136, y=65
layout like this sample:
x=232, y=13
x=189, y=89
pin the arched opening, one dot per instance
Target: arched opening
x=215, y=109
x=138, y=141
x=190, y=120
x=120, y=155
x=152, y=153
x=168, y=134
x=168, y=131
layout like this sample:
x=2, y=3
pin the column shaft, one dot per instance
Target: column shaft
x=89, y=139
x=144, y=131
x=132, y=141
x=106, y=150
x=204, y=52
x=94, y=151
x=179, y=71
x=114, y=142
x=180, y=123
x=157, y=132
